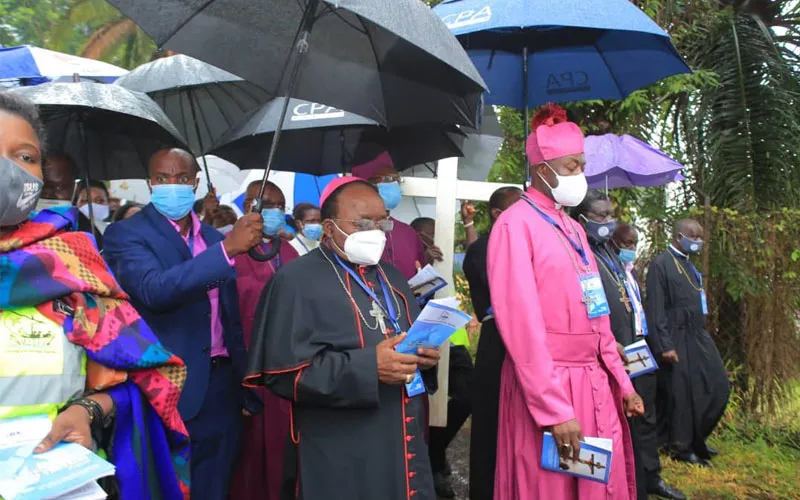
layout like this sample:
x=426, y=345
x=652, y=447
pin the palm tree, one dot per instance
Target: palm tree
x=104, y=33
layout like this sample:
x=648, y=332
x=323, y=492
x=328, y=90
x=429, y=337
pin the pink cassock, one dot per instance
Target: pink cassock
x=559, y=365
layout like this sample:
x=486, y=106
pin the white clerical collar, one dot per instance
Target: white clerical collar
x=679, y=252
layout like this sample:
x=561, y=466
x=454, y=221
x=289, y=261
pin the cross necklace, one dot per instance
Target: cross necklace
x=623, y=291
x=377, y=311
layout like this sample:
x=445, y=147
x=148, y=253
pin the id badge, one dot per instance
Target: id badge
x=704, y=302
x=416, y=386
x=644, y=324
x=594, y=296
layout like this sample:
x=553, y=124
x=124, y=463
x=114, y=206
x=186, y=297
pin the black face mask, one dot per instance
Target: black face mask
x=19, y=193
x=599, y=232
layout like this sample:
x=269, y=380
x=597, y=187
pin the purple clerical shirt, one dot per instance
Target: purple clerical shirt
x=197, y=246
x=404, y=249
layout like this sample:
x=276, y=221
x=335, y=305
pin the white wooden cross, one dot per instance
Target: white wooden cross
x=447, y=189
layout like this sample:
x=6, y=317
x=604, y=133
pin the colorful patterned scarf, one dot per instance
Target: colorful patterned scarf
x=42, y=261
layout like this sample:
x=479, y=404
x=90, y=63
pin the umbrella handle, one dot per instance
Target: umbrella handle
x=275, y=244
x=274, y=240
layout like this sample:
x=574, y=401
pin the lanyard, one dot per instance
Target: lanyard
x=301, y=242
x=389, y=308
x=278, y=258
x=190, y=241
x=697, y=275
x=577, y=247
x=612, y=266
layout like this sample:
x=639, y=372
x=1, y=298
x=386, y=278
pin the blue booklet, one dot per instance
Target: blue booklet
x=594, y=462
x=67, y=468
x=640, y=359
x=437, y=322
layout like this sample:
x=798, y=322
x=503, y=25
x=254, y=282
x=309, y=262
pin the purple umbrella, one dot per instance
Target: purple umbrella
x=616, y=161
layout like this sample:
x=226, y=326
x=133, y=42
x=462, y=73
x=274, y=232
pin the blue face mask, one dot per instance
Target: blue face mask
x=627, y=256
x=312, y=231
x=173, y=201
x=274, y=220
x=691, y=247
x=391, y=194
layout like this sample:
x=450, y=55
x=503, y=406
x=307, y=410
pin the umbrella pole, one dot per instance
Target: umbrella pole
x=85, y=144
x=301, y=46
x=525, y=124
x=200, y=142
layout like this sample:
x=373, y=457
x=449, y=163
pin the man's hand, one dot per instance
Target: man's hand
x=71, y=426
x=210, y=205
x=246, y=234
x=568, y=436
x=428, y=358
x=621, y=352
x=670, y=357
x=467, y=212
x=634, y=406
x=433, y=254
x=394, y=368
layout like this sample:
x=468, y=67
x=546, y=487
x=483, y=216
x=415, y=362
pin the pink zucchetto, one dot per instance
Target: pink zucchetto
x=334, y=185
x=552, y=136
x=367, y=170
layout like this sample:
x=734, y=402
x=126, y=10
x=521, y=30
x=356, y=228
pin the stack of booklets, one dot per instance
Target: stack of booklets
x=426, y=283
x=67, y=472
x=640, y=359
x=594, y=462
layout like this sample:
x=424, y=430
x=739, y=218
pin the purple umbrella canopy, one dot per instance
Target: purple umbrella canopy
x=616, y=161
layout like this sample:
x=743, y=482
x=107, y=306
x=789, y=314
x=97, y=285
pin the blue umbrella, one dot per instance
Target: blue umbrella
x=29, y=65
x=575, y=50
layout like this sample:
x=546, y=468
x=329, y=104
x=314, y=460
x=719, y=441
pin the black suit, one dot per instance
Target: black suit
x=643, y=429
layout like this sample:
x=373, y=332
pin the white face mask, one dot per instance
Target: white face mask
x=364, y=248
x=571, y=189
x=100, y=211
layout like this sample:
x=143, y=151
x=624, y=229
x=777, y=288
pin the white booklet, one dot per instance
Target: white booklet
x=594, y=461
x=426, y=283
x=640, y=359
x=67, y=472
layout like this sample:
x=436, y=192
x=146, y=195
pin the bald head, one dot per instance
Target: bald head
x=501, y=199
x=625, y=236
x=273, y=196
x=173, y=166
x=689, y=228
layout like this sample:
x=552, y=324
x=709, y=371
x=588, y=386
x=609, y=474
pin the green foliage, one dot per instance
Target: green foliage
x=29, y=21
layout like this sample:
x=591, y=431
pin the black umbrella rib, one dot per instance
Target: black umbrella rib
x=333, y=11
x=186, y=21
x=603, y=57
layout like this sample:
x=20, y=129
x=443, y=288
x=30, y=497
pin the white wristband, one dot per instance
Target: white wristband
x=470, y=224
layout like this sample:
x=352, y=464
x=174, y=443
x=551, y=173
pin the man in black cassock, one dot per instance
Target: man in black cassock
x=324, y=338
x=596, y=214
x=488, y=360
x=693, y=387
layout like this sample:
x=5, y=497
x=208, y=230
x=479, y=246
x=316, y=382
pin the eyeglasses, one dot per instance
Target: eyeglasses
x=385, y=225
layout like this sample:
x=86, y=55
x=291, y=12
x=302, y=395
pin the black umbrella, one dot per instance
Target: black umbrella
x=392, y=61
x=202, y=100
x=319, y=140
x=110, y=131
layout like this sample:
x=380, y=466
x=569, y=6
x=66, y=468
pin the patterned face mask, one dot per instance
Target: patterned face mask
x=19, y=193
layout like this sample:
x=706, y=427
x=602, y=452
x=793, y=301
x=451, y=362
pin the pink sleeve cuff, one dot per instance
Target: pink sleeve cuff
x=231, y=262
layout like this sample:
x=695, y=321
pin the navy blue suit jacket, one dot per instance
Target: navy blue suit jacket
x=169, y=288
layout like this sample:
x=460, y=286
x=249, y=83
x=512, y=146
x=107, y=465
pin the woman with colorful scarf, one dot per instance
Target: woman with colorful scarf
x=64, y=320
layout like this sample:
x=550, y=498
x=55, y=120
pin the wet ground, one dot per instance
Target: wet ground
x=458, y=455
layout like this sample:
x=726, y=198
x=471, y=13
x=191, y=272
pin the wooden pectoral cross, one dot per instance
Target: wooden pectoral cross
x=623, y=297
x=378, y=314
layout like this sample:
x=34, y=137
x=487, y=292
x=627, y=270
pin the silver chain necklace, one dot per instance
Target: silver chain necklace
x=353, y=300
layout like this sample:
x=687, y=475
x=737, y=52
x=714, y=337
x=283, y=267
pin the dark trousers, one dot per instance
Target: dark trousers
x=215, y=435
x=458, y=407
x=486, y=407
x=644, y=432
